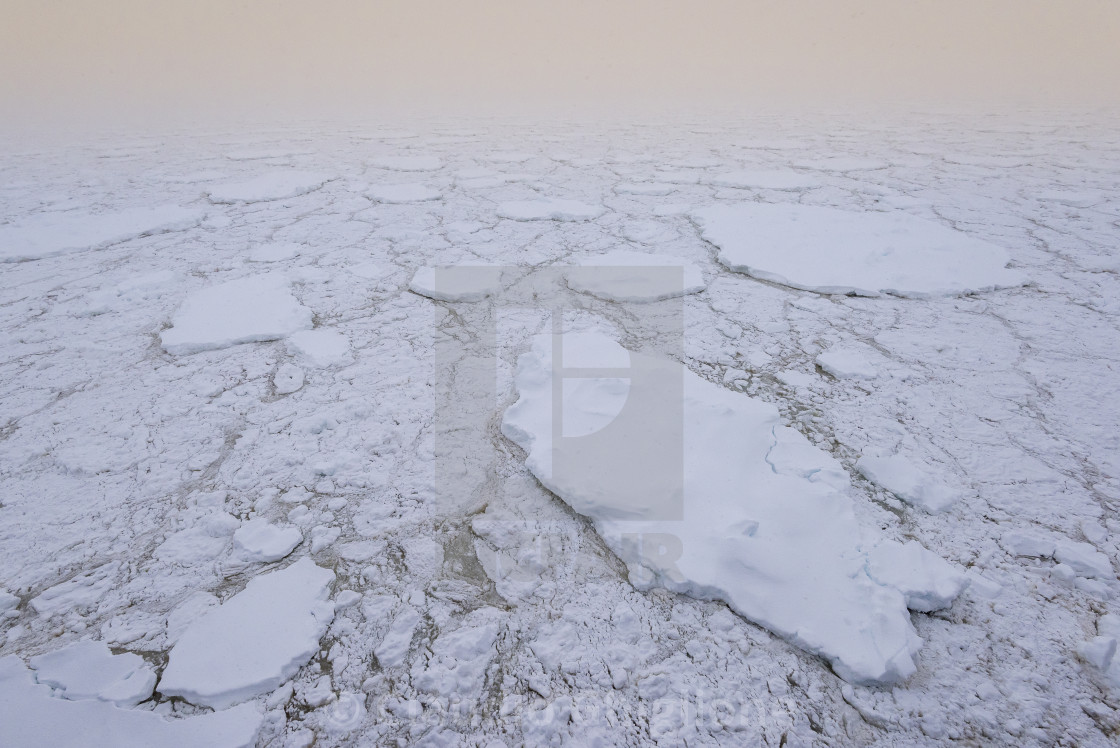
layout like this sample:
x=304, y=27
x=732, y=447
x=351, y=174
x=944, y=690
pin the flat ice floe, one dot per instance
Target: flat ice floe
x=766, y=523
x=321, y=346
x=635, y=276
x=31, y=716
x=457, y=283
x=254, y=641
x=828, y=250
x=88, y=670
x=260, y=540
x=908, y=482
x=403, y=193
x=408, y=163
x=245, y=310
x=51, y=234
x=277, y=185
x=549, y=210
x=850, y=362
x=765, y=179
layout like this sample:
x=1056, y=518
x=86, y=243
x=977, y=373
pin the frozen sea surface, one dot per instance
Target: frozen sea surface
x=255, y=490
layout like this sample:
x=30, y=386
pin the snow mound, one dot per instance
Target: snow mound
x=403, y=193
x=260, y=540
x=408, y=163
x=457, y=282
x=765, y=180
x=848, y=362
x=30, y=716
x=635, y=276
x=88, y=670
x=275, y=252
x=828, y=250
x=277, y=185
x=246, y=310
x=254, y=641
x=53, y=234
x=321, y=346
x=549, y=210
x=906, y=481
x=760, y=526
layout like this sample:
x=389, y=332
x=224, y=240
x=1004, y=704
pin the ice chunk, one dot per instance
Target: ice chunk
x=848, y=362
x=1026, y=543
x=246, y=310
x=260, y=540
x=8, y=602
x=765, y=179
x=780, y=548
x=254, y=641
x=655, y=189
x=902, y=478
x=403, y=193
x=408, y=163
x=321, y=346
x=549, y=210
x=838, y=251
x=30, y=716
x=457, y=282
x=88, y=670
x=277, y=185
x=458, y=661
x=288, y=379
x=635, y=276
x=928, y=581
x=52, y=234
x=1084, y=559
x=393, y=648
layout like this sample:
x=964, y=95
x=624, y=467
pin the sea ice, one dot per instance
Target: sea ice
x=765, y=180
x=849, y=362
x=781, y=549
x=31, y=716
x=260, y=540
x=408, y=163
x=51, y=234
x=321, y=346
x=277, y=185
x=549, y=210
x=908, y=482
x=275, y=252
x=88, y=670
x=403, y=193
x=829, y=250
x=457, y=283
x=246, y=310
x=634, y=276
x=254, y=641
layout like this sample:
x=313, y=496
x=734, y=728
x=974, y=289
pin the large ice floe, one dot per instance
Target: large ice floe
x=277, y=185
x=549, y=210
x=52, y=234
x=635, y=276
x=245, y=310
x=254, y=641
x=765, y=522
x=830, y=250
x=30, y=715
x=465, y=282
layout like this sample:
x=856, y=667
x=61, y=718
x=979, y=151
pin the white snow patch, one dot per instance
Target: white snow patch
x=260, y=540
x=829, y=250
x=321, y=346
x=51, y=234
x=277, y=185
x=246, y=310
x=403, y=193
x=457, y=282
x=30, y=716
x=88, y=670
x=635, y=276
x=549, y=210
x=908, y=482
x=254, y=641
x=782, y=550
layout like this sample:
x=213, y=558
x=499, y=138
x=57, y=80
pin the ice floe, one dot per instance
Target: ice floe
x=88, y=670
x=628, y=276
x=549, y=210
x=829, y=250
x=765, y=180
x=457, y=282
x=408, y=163
x=260, y=540
x=908, y=482
x=321, y=346
x=403, y=193
x=51, y=234
x=277, y=185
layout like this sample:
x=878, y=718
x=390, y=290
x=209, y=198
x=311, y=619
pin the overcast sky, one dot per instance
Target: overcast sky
x=69, y=57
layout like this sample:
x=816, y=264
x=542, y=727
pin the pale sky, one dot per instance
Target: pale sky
x=62, y=58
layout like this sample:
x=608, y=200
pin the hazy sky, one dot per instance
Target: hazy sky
x=68, y=57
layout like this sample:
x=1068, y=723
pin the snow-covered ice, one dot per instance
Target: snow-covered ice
x=467, y=282
x=408, y=163
x=88, y=670
x=260, y=540
x=765, y=180
x=908, y=482
x=403, y=193
x=850, y=362
x=246, y=310
x=254, y=641
x=321, y=346
x=276, y=185
x=634, y=276
x=843, y=251
x=549, y=210
x=51, y=234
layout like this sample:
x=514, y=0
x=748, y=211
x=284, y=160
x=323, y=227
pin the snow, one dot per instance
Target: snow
x=246, y=310
x=849, y=362
x=765, y=180
x=549, y=210
x=457, y=282
x=88, y=670
x=276, y=185
x=408, y=163
x=275, y=252
x=289, y=378
x=260, y=540
x=30, y=716
x=627, y=276
x=787, y=552
x=828, y=250
x=403, y=193
x=908, y=482
x=321, y=346
x=254, y=641
x=44, y=235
